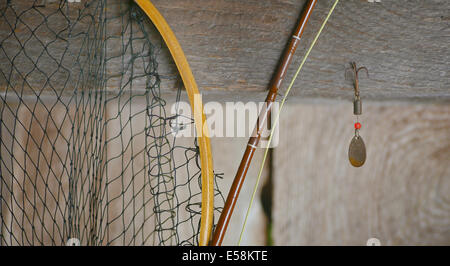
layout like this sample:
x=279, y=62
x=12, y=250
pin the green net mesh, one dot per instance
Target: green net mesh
x=89, y=146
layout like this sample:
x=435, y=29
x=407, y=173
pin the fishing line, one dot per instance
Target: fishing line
x=278, y=116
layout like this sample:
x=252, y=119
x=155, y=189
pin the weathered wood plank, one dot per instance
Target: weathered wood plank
x=235, y=45
x=227, y=154
x=38, y=174
x=400, y=195
x=40, y=160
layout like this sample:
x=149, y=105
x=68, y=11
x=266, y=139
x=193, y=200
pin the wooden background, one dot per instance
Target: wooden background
x=234, y=46
x=401, y=194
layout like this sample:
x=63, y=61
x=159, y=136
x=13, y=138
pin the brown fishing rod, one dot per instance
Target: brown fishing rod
x=276, y=82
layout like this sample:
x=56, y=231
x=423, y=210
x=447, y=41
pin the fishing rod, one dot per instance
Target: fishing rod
x=275, y=84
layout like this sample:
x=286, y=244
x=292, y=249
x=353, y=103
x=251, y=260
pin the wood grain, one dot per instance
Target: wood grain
x=227, y=154
x=234, y=46
x=38, y=174
x=38, y=163
x=400, y=195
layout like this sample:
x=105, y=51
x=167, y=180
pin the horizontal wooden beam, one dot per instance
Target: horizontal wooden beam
x=235, y=45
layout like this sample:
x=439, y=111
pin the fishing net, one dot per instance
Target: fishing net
x=89, y=146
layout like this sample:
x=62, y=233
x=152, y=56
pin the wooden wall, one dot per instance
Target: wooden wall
x=235, y=45
x=400, y=196
x=40, y=168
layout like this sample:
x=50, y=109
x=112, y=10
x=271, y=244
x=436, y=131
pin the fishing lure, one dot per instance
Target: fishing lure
x=357, y=148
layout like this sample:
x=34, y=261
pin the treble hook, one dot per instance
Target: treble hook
x=357, y=109
x=356, y=80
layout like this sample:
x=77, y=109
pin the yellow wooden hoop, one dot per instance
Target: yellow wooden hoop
x=177, y=53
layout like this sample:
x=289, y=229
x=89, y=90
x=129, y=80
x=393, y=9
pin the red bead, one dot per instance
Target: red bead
x=358, y=125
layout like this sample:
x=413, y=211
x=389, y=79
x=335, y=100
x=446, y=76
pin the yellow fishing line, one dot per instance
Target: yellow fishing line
x=278, y=116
